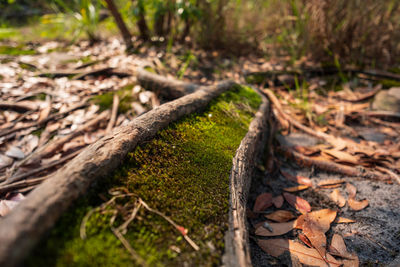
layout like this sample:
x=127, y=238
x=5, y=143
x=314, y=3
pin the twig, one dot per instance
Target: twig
x=43, y=122
x=19, y=107
x=382, y=113
x=114, y=113
x=329, y=166
x=390, y=173
x=178, y=227
x=122, y=228
x=58, y=143
x=42, y=168
x=21, y=184
x=129, y=248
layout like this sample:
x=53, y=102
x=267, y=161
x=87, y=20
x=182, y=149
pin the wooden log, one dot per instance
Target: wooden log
x=166, y=88
x=237, y=250
x=22, y=229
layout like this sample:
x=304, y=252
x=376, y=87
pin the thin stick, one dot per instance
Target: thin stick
x=42, y=168
x=58, y=143
x=390, y=173
x=123, y=227
x=114, y=113
x=43, y=122
x=178, y=227
x=129, y=248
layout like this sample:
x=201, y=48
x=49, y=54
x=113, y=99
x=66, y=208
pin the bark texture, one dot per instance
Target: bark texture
x=23, y=227
x=166, y=88
x=237, y=251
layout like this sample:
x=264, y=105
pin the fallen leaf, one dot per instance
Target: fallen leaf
x=278, y=201
x=297, y=178
x=337, y=197
x=263, y=201
x=15, y=152
x=351, y=190
x=357, y=205
x=296, y=188
x=277, y=229
x=341, y=156
x=7, y=161
x=280, y=216
x=305, y=240
x=344, y=220
x=307, y=256
x=315, y=225
x=338, y=248
x=299, y=203
x=329, y=182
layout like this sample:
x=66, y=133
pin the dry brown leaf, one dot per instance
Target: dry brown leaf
x=278, y=201
x=357, y=205
x=337, y=197
x=263, y=201
x=328, y=182
x=299, y=203
x=295, y=188
x=344, y=220
x=277, y=229
x=305, y=240
x=338, y=248
x=315, y=225
x=342, y=156
x=280, y=216
x=351, y=190
x=297, y=178
x=307, y=256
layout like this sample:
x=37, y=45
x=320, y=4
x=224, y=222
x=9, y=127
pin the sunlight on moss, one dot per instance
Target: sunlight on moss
x=184, y=173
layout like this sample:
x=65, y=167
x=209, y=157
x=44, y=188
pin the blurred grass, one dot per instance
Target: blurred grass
x=333, y=32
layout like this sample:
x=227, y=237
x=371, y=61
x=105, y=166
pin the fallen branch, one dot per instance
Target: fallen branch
x=237, y=250
x=43, y=206
x=164, y=87
x=329, y=166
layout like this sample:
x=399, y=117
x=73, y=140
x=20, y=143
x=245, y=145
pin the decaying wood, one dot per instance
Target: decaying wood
x=329, y=166
x=21, y=229
x=166, y=88
x=237, y=251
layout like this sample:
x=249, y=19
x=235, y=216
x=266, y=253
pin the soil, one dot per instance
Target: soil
x=375, y=236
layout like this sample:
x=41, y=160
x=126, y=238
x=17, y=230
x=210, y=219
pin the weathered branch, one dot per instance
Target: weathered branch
x=21, y=229
x=164, y=87
x=237, y=251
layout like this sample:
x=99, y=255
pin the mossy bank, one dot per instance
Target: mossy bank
x=183, y=173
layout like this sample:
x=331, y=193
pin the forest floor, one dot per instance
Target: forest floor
x=56, y=99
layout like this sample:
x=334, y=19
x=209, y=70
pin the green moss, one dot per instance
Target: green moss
x=15, y=51
x=184, y=173
x=105, y=100
x=389, y=83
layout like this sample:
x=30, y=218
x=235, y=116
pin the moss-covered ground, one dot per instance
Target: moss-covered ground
x=183, y=173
